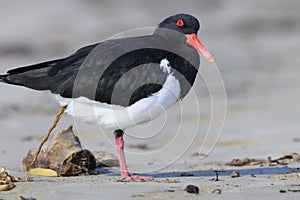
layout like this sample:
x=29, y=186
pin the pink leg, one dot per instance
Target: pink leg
x=119, y=142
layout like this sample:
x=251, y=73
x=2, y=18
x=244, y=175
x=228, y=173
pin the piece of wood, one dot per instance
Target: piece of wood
x=64, y=154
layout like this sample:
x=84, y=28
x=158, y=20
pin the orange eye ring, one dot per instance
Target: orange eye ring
x=180, y=22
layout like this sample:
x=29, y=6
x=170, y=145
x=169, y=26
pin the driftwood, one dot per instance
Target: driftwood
x=64, y=155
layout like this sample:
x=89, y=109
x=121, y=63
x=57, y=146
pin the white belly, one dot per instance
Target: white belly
x=112, y=117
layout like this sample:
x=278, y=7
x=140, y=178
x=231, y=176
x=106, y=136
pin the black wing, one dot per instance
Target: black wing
x=117, y=72
x=56, y=75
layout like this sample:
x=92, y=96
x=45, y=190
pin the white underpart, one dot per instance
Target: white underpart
x=112, y=117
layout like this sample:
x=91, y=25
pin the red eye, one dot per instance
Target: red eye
x=180, y=22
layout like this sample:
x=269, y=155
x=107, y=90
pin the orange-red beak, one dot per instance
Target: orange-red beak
x=193, y=40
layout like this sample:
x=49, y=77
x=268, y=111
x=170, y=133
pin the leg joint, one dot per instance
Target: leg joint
x=119, y=133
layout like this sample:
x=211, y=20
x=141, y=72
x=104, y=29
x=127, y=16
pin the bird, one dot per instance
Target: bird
x=116, y=82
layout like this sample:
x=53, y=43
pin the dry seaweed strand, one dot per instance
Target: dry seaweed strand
x=216, y=178
x=283, y=160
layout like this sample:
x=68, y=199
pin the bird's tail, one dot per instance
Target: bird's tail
x=2, y=78
x=30, y=76
x=41, y=76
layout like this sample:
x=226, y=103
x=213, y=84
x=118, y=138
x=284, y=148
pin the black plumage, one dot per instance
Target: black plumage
x=97, y=71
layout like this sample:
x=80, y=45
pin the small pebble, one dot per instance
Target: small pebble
x=235, y=174
x=290, y=190
x=169, y=190
x=296, y=139
x=192, y=189
x=186, y=174
x=172, y=181
x=30, y=198
x=217, y=191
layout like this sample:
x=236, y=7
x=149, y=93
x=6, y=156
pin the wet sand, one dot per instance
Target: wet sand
x=256, y=45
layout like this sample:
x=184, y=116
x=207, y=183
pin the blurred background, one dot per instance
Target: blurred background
x=256, y=46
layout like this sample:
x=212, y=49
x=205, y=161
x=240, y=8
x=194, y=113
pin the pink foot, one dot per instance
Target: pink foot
x=136, y=178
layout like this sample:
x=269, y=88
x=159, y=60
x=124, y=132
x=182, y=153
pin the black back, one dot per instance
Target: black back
x=120, y=71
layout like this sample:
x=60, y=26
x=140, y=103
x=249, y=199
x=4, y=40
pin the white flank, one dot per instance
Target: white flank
x=112, y=117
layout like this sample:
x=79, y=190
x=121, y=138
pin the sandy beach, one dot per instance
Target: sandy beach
x=254, y=114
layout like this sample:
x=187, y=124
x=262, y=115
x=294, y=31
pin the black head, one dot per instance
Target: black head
x=183, y=28
x=183, y=23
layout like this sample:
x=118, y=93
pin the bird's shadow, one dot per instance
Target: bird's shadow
x=242, y=172
x=212, y=173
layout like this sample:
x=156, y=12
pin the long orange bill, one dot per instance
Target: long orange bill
x=193, y=40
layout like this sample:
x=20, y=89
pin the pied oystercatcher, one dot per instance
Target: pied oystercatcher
x=120, y=80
